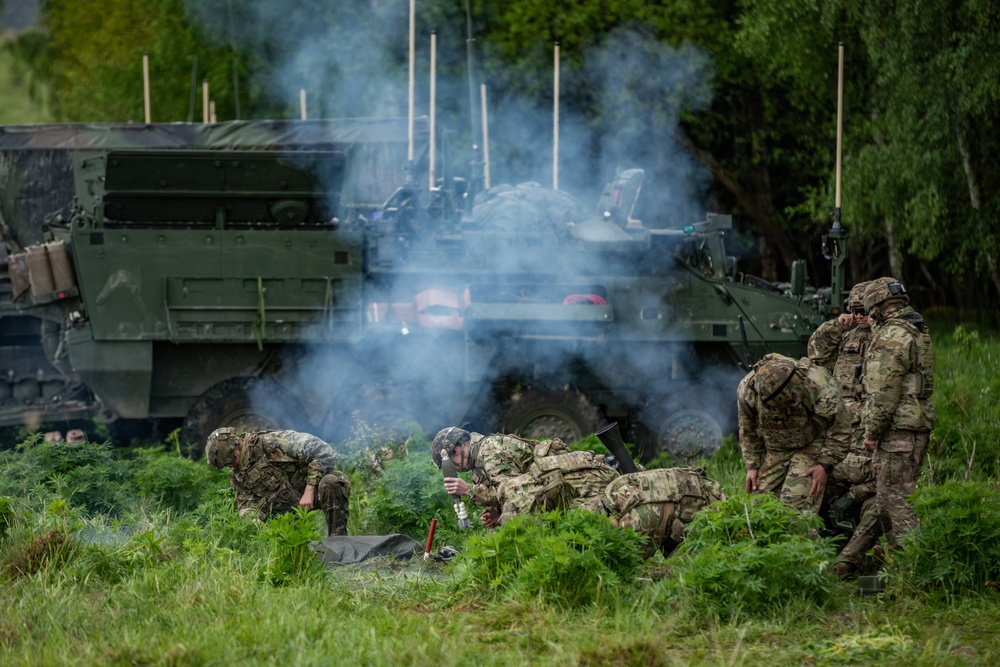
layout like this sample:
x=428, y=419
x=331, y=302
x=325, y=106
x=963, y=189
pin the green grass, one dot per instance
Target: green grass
x=128, y=557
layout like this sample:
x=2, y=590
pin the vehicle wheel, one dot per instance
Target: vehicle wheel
x=247, y=404
x=540, y=414
x=684, y=433
x=382, y=411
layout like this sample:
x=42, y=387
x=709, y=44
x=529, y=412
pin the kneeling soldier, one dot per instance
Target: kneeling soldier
x=660, y=503
x=273, y=472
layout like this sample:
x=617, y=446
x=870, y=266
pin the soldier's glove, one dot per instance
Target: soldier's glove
x=841, y=509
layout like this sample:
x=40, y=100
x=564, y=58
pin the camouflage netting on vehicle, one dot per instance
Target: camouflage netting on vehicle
x=528, y=208
x=36, y=171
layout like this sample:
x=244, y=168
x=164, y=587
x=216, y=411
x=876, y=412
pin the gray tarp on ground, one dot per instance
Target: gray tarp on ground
x=36, y=172
x=345, y=549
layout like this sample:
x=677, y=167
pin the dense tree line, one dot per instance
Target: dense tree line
x=728, y=104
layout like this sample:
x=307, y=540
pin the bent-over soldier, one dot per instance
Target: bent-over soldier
x=273, y=472
x=660, y=503
x=794, y=429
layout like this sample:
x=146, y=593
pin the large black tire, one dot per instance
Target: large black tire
x=539, y=414
x=679, y=427
x=248, y=404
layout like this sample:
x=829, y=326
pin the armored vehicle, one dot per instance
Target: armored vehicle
x=245, y=288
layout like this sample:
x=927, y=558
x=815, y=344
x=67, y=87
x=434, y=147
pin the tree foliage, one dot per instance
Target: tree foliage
x=727, y=104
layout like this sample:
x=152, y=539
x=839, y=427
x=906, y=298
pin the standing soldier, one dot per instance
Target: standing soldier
x=897, y=417
x=793, y=427
x=273, y=472
x=839, y=345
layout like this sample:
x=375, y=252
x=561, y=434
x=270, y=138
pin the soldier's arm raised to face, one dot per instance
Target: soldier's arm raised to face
x=824, y=344
x=886, y=363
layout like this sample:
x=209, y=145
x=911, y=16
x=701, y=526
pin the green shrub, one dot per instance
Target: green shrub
x=404, y=499
x=7, y=515
x=749, y=555
x=565, y=558
x=171, y=480
x=957, y=547
x=291, y=536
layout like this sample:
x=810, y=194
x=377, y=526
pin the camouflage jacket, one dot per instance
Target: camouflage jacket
x=498, y=456
x=818, y=415
x=660, y=503
x=274, y=469
x=571, y=480
x=841, y=351
x=899, y=376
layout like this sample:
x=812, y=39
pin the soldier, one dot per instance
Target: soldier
x=273, y=472
x=496, y=458
x=794, y=429
x=574, y=480
x=839, y=345
x=660, y=503
x=898, y=416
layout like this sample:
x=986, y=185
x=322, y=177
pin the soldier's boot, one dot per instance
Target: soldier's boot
x=336, y=521
x=845, y=570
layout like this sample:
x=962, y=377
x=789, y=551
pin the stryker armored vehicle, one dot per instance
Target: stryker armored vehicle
x=242, y=287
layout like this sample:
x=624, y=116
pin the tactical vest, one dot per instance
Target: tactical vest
x=918, y=384
x=268, y=482
x=848, y=370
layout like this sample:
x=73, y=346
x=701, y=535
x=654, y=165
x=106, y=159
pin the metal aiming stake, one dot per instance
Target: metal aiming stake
x=433, y=103
x=555, y=120
x=486, y=138
x=204, y=101
x=302, y=104
x=145, y=87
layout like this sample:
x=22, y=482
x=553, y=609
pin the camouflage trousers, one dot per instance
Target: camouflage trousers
x=781, y=473
x=332, y=497
x=856, y=474
x=898, y=460
x=528, y=493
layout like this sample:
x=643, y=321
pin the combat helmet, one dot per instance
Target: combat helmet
x=446, y=439
x=774, y=373
x=220, y=446
x=856, y=299
x=882, y=291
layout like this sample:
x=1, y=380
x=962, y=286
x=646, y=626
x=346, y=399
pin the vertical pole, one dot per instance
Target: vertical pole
x=486, y=138
x=840, y=130
x=211, y=111
x=555, y=120
x=432, y=156
x=413, y=41
x=204, y=101
x=145, y=87
x=302, y=104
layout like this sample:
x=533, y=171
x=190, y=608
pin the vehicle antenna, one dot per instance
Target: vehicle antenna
x=431, y=156
x=145, y=87
x=486, y=138
x=555, y=119
x=470, y=55
x=834, y=246
x=410, y=95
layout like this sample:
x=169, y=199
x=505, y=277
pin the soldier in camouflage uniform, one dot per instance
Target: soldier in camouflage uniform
x=794, y=428
x=548, y=474
x=839, y=345
x=273, y=472
x=898, y=416
x=574, y=480
x=660, y=503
